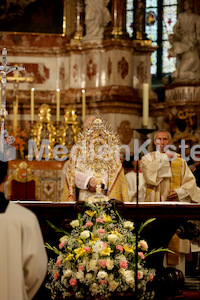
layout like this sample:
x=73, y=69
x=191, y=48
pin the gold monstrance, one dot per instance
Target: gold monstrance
x=97, y=149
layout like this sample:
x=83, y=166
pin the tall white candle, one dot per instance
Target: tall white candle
x=32, y=104
x=83, y=105
x=15, y=112
x=58, y=106
x=145, y=104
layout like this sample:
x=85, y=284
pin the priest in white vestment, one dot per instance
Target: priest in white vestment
x=168, y=178
x=167, y=175
x=23, y=258
x=82, y=179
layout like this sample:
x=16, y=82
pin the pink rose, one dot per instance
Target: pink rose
x=73, y=282
x=151, y=277
x=103, y=282
x=56, y=275
x=120, y=248
x=80, y=268
x=105, y=245
x=101, y=230
x=88, y=224
x=87, y=249
x=139, y=275
x=103, y=263
x=100, y=220
x=61, y=244
x=58, y=261
x=123, y=264
x=141, y=254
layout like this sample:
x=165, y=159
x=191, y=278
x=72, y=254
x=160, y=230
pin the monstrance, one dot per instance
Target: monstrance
x=97, y=150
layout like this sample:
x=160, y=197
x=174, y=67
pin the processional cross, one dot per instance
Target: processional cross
x=16, y=79
x=4, y=69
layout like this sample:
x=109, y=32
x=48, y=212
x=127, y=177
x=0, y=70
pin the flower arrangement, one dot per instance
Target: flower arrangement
x=98, y=257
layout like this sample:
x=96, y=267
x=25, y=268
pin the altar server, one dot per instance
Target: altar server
x=23, y=258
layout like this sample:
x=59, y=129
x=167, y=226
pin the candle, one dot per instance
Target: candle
x=83, y=105
x=58, y=106
x=145, y=104
x=15, y=111
x=32, y=104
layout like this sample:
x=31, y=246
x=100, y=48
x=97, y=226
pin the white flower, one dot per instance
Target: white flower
x=102, y=275
x=129, y=224
x=85, y=234
x=67, y=273
x=130, y=280
x=113, y=285
x=94, y=288
x=74, y=223
x=128, y=273
x=112, y=238
x=88, y=276
x=98, y=247
x=144, y=245
x=93, y=265
x=64, y=238
x=80, y=276
x=110, y=264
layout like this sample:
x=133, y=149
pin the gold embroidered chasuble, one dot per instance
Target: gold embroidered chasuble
x=117, y=188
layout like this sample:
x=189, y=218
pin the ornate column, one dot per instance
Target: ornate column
x=79, y=22
x=118, y=26
x=139, y=20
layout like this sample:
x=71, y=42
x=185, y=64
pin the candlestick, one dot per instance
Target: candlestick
x=83, y=105
x=32, y=104
x=145, y=104
x=58, y=106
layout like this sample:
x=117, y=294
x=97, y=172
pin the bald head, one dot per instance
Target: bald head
x=88, y=121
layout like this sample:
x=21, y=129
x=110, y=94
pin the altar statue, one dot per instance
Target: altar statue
x=184, y=44
x=97, y=16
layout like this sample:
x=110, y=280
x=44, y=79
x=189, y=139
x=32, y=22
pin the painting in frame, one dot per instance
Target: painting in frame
x=33, y=16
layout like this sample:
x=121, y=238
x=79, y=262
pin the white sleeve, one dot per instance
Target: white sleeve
x=182, y=194
x=81, y=179
x=34, y=257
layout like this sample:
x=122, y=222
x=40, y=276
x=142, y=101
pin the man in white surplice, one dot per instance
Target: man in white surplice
x=23, y=258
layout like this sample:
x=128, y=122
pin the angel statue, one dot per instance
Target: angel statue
x=95, y=170
x=185, y=44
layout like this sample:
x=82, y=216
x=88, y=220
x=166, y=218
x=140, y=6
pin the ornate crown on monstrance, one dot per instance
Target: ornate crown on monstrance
x=97, y=148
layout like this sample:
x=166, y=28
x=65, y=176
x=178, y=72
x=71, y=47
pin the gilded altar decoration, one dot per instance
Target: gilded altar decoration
x=98, y=257
x=97, y=149
x=20, y=139
x=58, y=132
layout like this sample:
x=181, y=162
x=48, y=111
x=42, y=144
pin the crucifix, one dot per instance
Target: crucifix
x=4, y=69
x=16, y=79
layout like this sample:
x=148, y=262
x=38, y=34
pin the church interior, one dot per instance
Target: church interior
x=122, y=60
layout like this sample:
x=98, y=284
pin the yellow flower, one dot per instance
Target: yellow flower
x=90, y=213
x=69, y=257
x=93, y=238
x=79, y=252
x=80, y=241
x=107, y=218
x=128, y=249
x=106, y=251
